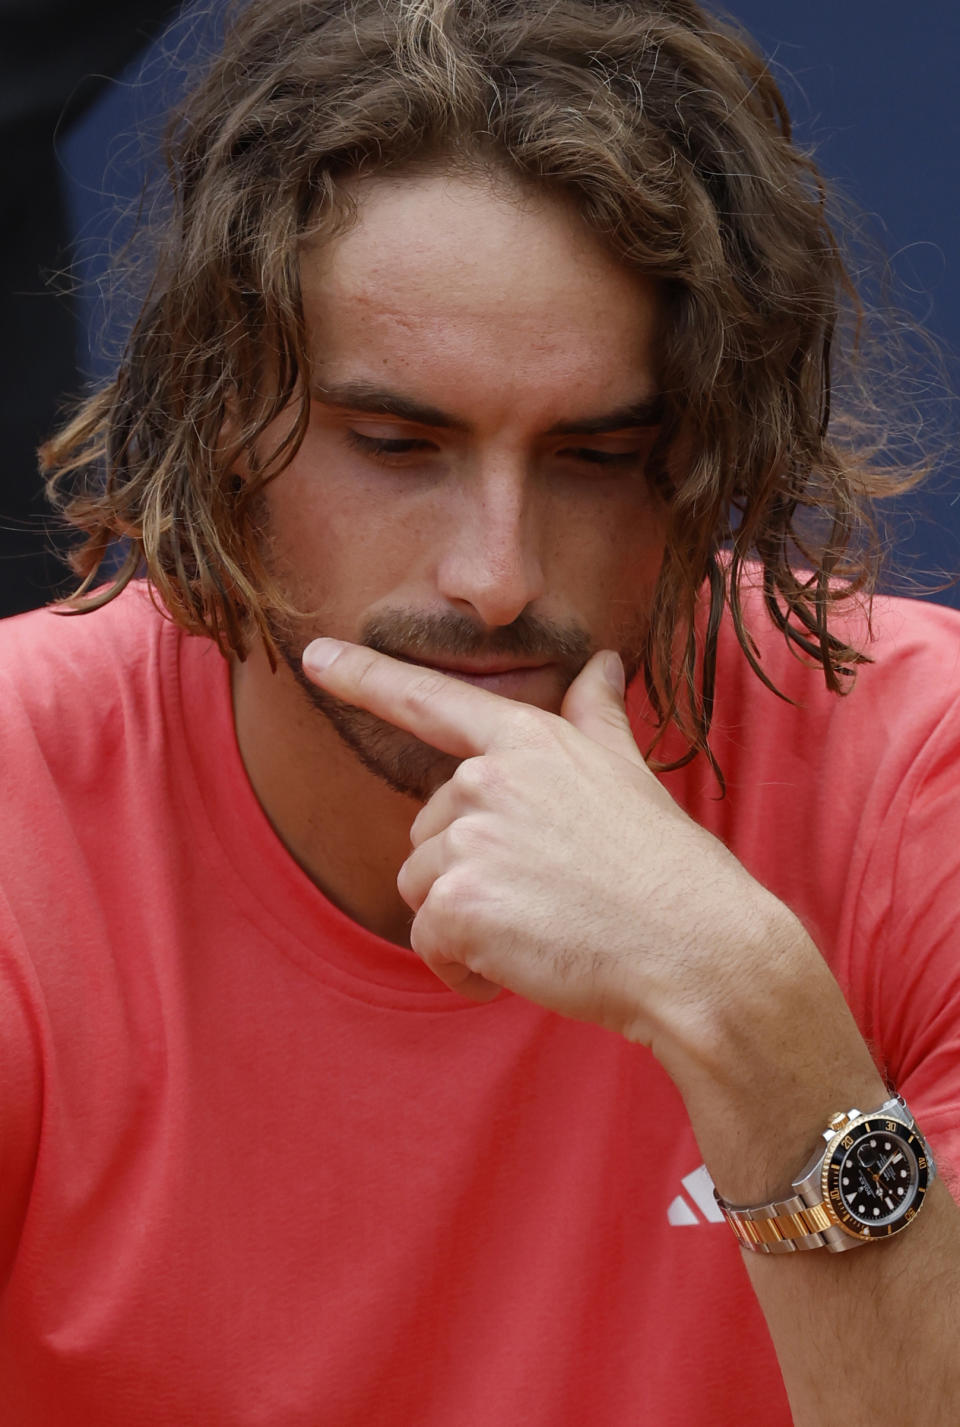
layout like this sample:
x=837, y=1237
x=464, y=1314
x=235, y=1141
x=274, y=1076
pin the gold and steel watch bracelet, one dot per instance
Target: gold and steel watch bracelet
x=784, y=1226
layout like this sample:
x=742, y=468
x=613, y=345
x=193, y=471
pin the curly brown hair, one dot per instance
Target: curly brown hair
x=667, y=130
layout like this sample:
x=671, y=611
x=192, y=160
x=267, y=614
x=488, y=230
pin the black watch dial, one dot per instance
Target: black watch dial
x=876, y=1177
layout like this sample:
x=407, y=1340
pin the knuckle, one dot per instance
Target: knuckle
x=366, y=672
x=424, y=690
x=474, y=776
x=532, y=727
x=449, y=895
x=405, y=881
x=484, y=780
x=459, y=840
x=423, y=938
x=437, y=933
x=464, y=840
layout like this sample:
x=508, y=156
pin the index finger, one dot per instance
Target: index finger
x=452, y=716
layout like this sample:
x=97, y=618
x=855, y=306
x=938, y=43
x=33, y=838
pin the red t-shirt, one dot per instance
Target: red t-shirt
x=258, y=1166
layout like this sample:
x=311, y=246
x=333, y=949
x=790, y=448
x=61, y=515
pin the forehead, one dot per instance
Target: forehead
x=467, y=285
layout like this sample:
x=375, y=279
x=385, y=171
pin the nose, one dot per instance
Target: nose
x=491, y=565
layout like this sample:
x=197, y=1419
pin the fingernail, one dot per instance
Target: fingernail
x=321, y=654
x=613, y=672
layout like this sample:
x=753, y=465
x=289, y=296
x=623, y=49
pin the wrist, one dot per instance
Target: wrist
x=765, y=1062
x=865, y=1181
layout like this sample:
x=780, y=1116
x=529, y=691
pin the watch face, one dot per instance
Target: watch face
x=875, y=1177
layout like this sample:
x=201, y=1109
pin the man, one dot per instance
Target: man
x=376, y=1021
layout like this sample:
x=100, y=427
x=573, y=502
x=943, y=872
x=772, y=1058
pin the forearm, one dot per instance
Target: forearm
x=871, y=1335
x=761, y=1077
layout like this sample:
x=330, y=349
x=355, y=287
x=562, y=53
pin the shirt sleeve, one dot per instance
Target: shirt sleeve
x=21, y=1083
x=915, y=967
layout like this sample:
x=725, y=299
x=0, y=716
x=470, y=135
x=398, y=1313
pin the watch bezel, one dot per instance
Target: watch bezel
x=837, y=1152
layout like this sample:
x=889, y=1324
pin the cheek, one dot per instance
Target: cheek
x=335, y=530
x=622, y=577
x=616, y=540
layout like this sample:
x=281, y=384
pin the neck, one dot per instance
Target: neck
x=345, y=827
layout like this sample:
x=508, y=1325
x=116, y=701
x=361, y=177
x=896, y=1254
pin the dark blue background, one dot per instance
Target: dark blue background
x=872, y=88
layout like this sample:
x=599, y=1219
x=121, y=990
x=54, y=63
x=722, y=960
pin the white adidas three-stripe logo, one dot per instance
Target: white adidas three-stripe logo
x=699, y=1186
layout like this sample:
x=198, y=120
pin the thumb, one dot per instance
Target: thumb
x=594, y=704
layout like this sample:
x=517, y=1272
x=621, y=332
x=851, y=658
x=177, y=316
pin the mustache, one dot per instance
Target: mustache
x=431, y=636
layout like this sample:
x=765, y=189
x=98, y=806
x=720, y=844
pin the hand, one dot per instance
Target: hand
x=553, y=862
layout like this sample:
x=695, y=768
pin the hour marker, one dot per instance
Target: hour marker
x=846, y=1180
x=861, y=1208
x=873, y=1144
x=886, y=1144
x=903, y=1174
x=876, y=1213
x=900, y=1189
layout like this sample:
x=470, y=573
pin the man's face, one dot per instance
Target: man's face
x=470, y=493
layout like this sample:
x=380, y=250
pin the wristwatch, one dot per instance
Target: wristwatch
x=867, y=1182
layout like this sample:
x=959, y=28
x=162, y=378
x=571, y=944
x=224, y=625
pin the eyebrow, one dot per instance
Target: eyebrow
x=377, y=401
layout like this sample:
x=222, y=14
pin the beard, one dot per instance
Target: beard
x=402, y=761
x=405, y=763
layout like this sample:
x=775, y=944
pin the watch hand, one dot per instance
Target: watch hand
x=887, y=1162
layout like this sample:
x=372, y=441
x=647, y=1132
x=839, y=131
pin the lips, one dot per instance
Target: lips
x=510, y=678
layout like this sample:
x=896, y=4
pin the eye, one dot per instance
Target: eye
x=591, y=457
x=386, y=446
